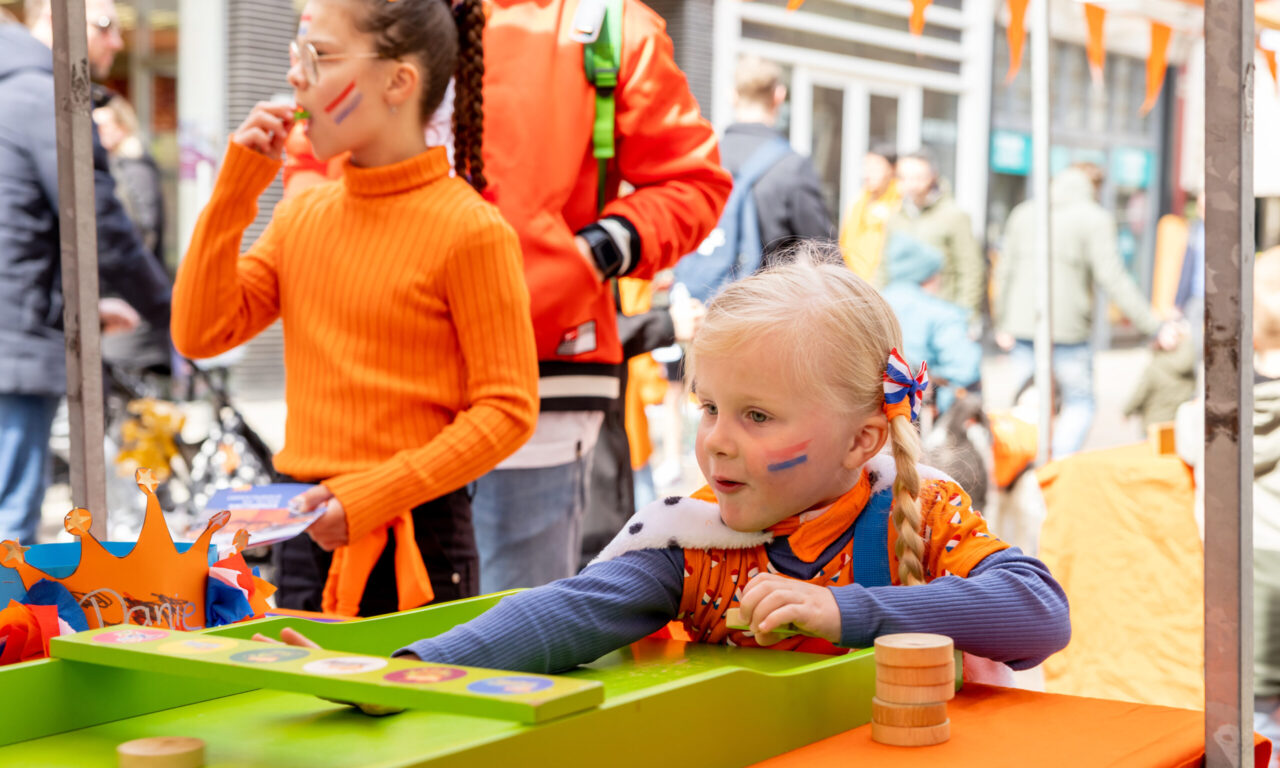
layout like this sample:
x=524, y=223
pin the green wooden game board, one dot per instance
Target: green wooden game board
x=333, y=674
x=664, y=702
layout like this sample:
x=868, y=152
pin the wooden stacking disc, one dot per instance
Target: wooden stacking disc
x=915, y=694
x=164, y=752
x=943, y=673
x=914, y=650
x=908, y=715
x=897, y=736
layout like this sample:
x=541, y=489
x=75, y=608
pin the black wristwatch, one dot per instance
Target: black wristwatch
x=613, y=242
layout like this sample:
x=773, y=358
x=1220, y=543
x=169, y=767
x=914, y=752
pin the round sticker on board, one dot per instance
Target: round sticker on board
x=345, y=665
x=425, y=675
x=510, y=685
x=196, y=645
x=270, y=655
x=129, y=636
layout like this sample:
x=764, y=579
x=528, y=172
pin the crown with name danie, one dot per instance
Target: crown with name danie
x=153, y=585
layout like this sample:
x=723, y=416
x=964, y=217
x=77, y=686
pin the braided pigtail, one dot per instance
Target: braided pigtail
x=909, y=548
x=468, y=109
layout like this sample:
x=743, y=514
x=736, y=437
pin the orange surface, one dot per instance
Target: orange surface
x=1120, y=537
x=993, y=727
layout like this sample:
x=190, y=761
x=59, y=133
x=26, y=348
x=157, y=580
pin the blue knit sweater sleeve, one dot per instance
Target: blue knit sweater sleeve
x=1008, y=609
x=567, y=622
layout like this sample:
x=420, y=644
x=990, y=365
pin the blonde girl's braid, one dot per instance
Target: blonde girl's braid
x=907, y=519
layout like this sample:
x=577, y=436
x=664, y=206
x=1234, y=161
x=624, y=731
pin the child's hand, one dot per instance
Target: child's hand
x=771, y=601
x=329, y=531
x=265, y=129
x=287, y=637
x=294, y=637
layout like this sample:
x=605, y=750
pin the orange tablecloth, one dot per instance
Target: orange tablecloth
x=1121, y=538
x=993, y=727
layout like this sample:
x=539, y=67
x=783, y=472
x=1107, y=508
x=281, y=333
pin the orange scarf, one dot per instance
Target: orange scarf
x=810, y=533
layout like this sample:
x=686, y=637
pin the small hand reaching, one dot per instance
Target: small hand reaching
x=290, y=636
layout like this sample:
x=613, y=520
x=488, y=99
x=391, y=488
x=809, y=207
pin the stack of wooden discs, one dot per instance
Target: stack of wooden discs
x=915, y=678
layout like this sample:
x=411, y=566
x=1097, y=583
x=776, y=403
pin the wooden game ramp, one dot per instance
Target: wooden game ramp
x=256, y=704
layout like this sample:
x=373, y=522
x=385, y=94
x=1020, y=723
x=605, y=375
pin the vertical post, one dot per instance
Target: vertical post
x=1041, y=140
x=77, y=221
x=1228, y=403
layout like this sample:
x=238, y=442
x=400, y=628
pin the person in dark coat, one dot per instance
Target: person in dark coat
x=32, y=349
x=138, y=186
x=788, y=196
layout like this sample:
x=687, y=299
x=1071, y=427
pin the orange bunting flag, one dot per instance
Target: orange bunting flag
x=1017, y=34
x=794, y=4
x=917, y=16
x=1096, y=48
x=1270, y=56
x=1157, y=63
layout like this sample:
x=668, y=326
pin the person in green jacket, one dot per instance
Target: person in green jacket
x=1084, y=254
x=931, y=215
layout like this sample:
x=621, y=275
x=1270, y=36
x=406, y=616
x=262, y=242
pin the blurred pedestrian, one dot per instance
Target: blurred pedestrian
x=32, y=348
x=931, y=215
x=777, y=196
x=1084, y=254
x=139, y=188
x=933, y=328
x=863, y=228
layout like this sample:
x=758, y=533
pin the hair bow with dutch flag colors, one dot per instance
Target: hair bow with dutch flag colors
x=902, y=391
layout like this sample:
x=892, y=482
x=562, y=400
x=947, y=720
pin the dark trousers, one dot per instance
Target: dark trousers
x=445, y=537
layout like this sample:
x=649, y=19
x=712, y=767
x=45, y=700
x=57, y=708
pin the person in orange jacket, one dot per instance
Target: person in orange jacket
x=539, y=110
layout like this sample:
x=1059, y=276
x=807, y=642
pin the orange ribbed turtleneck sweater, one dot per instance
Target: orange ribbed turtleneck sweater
x=409, y=352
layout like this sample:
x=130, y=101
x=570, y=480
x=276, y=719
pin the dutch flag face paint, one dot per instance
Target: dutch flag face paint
x=787, y=458
x=342, y=107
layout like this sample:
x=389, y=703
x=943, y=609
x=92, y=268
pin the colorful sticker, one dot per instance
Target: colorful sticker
x=304, y=25
x=346, y=103
x=270, y=655
x=425, y=675
x=195, y=645
x=510, y=685
x=129, y=636
x=788, y=457
x=344, y=665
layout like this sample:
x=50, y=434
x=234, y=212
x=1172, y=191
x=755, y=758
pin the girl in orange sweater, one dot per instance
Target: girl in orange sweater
x=410, y=358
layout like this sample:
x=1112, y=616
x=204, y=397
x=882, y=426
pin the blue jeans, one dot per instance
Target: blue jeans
x=1073, y=370
x=529, y=524
x=25, y=423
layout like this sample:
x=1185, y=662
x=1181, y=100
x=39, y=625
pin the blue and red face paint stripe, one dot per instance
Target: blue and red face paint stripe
x=346, y=103
x=787, y=458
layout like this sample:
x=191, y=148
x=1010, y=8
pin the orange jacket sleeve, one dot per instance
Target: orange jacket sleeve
x=220, y=299
x=665, y=149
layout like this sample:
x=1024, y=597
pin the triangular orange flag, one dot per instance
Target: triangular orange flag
x=1017, y=34
x=1096, y=48
x=917, y=16
x=794, y=4
x=1157, y=63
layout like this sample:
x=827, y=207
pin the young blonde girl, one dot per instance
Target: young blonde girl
x=805, y=521
x=410, y=359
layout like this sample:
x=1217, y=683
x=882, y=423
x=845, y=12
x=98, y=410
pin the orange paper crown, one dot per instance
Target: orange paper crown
x=153, y=585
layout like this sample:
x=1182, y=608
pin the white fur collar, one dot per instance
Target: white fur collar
x=688, y=523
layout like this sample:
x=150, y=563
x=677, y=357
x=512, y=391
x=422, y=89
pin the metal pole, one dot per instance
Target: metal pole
x=1041, y=139
x=77, y=222
x=1228, y=400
